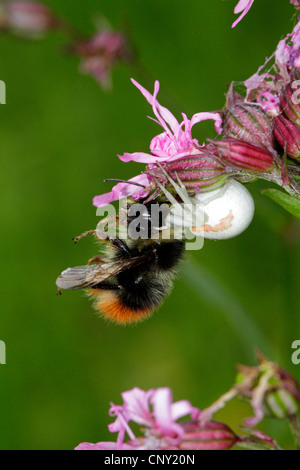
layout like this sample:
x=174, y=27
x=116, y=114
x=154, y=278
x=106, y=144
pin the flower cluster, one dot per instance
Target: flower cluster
x=98, y=54
x=270, y=390
x=27, y=18
x=157, y=417
x=176, y=149
x=257, y=132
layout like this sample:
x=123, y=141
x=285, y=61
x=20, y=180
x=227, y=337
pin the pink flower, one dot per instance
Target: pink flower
x=153, y=409
x=174, y=143
x=155, y=412
x=296, y=3
x=269, y=102
x=242, y=7
x=121, y=190
x=176, y=140
x=99, y=53
x=288, y=52
x=27, y=16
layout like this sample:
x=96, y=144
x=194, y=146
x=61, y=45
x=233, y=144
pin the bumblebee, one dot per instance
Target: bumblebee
x=132, y=277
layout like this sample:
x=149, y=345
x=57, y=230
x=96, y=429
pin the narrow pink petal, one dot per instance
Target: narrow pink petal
x=120, y=425
x=242, y=6
x=181, y=408
x=98, y=446
x=162, y=406
x=104, y=199
x=104, y=446
x=121, y=190
x=205, y=116
x=163, y=112
x=139, y=157
x=136, y=403
x=179, y=155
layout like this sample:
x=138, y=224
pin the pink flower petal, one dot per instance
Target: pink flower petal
x=121, y=190
x=181, y=408
x=163, y=114
x=205, y=116
x=139, y=157
x=104, y=446
x=242, y=6
x=136, y=403
x=162, y=406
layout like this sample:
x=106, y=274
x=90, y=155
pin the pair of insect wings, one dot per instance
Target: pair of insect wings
x=81, y=277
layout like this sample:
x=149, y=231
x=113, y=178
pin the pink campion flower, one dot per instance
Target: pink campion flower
x=26, y=16
x=261, y=82
x=296, y=3
x=176, y=141
x=100, y=53
x=269, y=102
x=287, y=53
x=242, y=7
x=121, y=190
x=155, y=412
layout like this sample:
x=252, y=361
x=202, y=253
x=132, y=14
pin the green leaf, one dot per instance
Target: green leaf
x=289, y=203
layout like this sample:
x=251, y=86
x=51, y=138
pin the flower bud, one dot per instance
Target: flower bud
x=249, y=123
x=280, y=404
x=278, y=391
x=245, y=155
x=283, y=399
x=203, y=172
x=28, y=17
x=287, y=135
x=256, y=440
x=207, y=436
x=290, y=103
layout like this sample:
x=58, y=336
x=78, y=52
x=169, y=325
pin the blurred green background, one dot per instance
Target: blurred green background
x=60, y=136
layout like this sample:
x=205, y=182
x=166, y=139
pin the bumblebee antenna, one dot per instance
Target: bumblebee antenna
x=124, y=181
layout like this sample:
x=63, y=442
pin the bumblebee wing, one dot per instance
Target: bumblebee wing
x=81, y=277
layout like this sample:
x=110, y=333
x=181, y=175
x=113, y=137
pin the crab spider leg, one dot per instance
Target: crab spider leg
x=179, y=181
x=167, y=194
x=179, y=189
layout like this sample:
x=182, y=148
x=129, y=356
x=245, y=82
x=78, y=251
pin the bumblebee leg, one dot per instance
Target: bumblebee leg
x=84, y=234
x=95, y=259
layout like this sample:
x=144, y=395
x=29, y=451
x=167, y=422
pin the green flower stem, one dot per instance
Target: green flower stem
x=295, y=429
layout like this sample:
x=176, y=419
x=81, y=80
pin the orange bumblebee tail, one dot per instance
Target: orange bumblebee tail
x=110, y=305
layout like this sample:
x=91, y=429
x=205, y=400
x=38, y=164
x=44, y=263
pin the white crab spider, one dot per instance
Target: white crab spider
x=218, y=215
